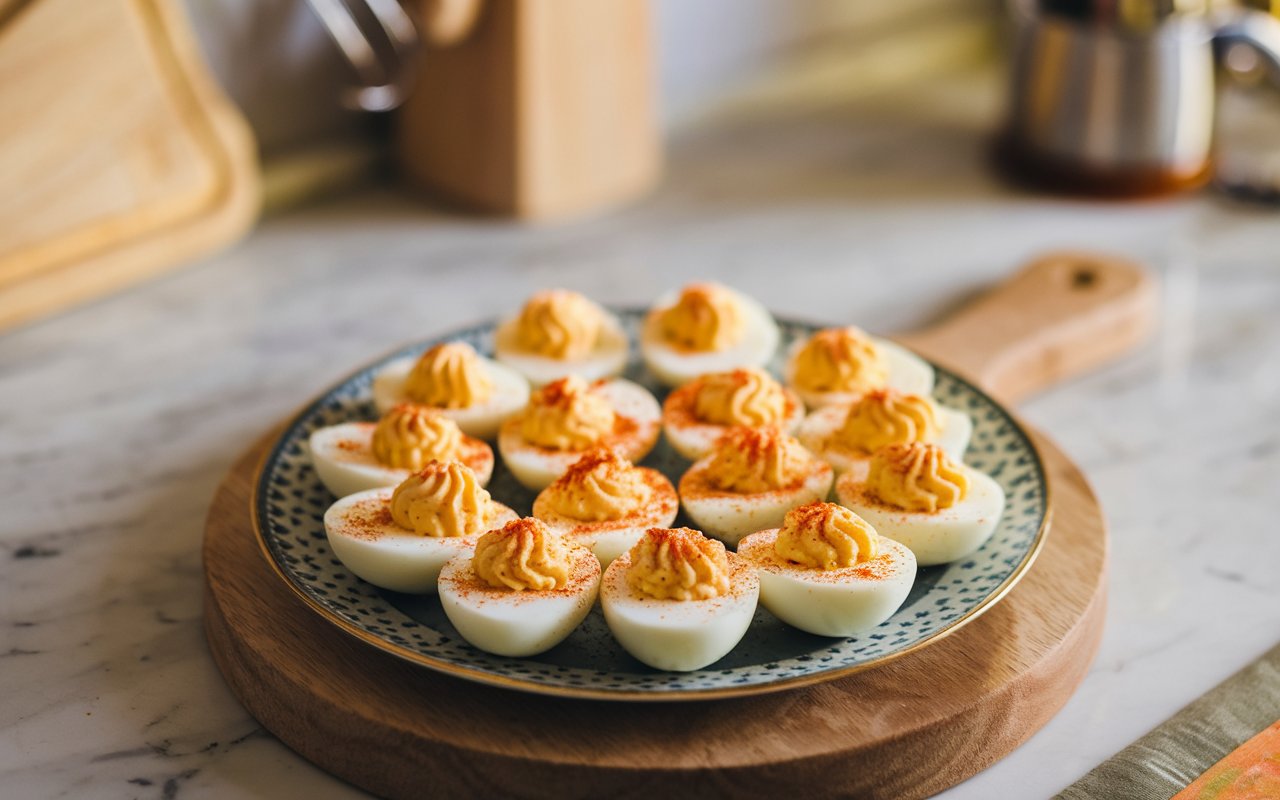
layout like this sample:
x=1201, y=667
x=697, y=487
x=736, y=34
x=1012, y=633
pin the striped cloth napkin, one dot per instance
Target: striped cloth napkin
x=1224, y=746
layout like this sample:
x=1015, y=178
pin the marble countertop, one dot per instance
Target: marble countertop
x=119, y=419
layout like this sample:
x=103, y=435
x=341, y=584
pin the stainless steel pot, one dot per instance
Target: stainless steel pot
x=1118, y=96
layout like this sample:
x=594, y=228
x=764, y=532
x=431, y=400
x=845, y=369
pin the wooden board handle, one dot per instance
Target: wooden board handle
x=1062, y=315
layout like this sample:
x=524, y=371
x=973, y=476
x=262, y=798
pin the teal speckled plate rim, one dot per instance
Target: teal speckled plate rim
x=275, y=558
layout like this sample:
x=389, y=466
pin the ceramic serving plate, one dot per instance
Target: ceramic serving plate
x=289, y=504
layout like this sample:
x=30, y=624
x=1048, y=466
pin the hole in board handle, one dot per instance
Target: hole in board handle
x=1083, y=277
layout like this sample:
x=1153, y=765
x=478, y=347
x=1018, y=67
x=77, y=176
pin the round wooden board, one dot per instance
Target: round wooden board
x=911, y=728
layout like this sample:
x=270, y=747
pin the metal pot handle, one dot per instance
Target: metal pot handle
x=1257, y=30
x=1245, y=173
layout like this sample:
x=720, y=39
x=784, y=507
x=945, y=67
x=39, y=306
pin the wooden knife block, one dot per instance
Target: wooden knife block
x=536, y=109
x=119, y=156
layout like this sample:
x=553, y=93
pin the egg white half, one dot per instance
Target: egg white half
x=939, y=537
x=343, y=458
x=676, y=635
x=510, y=396
x=517, y=624
x=908, y=373
x=366, y=540
x=607, y=359
x=728, y=517
x=693, y=439
x=673, y=366
x=839, y=602
x=955, y=431
x=609, y=539
x=536, y=467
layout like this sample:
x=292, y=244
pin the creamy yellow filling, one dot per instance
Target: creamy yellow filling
x=752, y=460
x=825, y=536
x=443, y=499
x=559, y=324
x=678, y=564
x=523, y=555
x=705, y=318
x=916, y=477
x=410, y=436
x=449, y=375
x=884, y=417
x=740, y=397
x=567, y=415
x=840, y=360
x=601, y=485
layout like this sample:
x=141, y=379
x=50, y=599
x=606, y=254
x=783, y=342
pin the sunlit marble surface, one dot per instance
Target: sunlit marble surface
x=117, y=420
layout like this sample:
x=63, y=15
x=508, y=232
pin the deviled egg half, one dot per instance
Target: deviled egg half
x=476, y=392
x=356, y=456
x=695, y=415
x=837, y=365
x=915, y=494
x=826, y=571
x=706, y=328
x=846, y=436
x=399, y=538
x=606, y=503
x=523, y=590
x=569, y=416
x=677, y=601
x=559, y=333
x=749, y=482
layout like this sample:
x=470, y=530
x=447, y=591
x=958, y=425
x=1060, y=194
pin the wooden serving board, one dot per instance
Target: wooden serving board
x=122, y=157
x=910, y=728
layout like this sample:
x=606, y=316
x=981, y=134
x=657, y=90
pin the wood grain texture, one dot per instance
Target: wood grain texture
x=122, y=157
x=1062, y=315
x=534, y=110
x=908, y=729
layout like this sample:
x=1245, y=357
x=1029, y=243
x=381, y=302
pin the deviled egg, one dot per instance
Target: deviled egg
x=846, y=436
x=749, y=482
x=677, y=601
x=399, y=538
x=706, y=328
x=606, y=503
x=476, y=392
x=915, y=494
x=826, y=571
x=837, y=365
x=569, y=416
x=695, y=415
x=559, y=333
x=355, y=456
x=523, y=590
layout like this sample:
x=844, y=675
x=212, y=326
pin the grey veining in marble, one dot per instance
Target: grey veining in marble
x=117, y=420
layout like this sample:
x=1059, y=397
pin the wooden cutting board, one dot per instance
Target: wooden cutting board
x=910, y=728
x=119, y=156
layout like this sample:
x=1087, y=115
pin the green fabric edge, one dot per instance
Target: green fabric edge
x=1176, y=752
